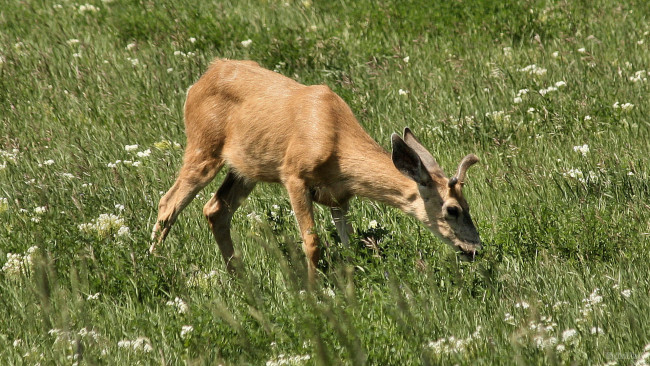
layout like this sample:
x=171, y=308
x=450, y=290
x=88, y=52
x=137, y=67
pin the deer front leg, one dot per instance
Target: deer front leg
x=303, y=207
x=341, y=223
x=220, y=209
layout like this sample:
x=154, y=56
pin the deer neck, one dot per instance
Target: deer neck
x=373, y=175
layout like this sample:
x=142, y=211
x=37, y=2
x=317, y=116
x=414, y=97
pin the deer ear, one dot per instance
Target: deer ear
x=408, y=162
x=424, y=154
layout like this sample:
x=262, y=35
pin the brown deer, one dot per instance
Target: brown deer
x=267, y=127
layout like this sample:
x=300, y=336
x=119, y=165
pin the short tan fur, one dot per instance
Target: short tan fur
x=266, y=127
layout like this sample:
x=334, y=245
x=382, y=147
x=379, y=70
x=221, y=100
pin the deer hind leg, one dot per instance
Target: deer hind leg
x=220, y=209
x=196, y=172
x=341, y=223
x=303, y=207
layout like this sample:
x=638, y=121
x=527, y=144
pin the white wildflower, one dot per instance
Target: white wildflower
x=517, y=100
x=596, y=330
x=144, y=154
x=72, y=42
x=170, y=70
x=40, y=210
x=555, y=54
x=560, y=84
x=139, y=344
x=524, y=305
x=582, y=50
x=373, y=224
x=130, y=46
x=17, y=343
x=179, y=304
x=626, y=292
x=288, y=360
x=560, y=348
x=134, y=61
x=48, y=162
x=627, y=107
x=568, y=334
x=406, y=59
x=507, y=52
x=587, y=118
x=123, y=231
x=192, y=39
x=584, y=149
x=402, y=92
x=640, y=75
x=508, y=318
x=103, y=226
x=186, y=330
x=533, y=70
x=88, y=8
x=93, y=297
x=246, y=43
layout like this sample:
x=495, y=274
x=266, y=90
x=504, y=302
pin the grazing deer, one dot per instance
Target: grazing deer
x=267, y=127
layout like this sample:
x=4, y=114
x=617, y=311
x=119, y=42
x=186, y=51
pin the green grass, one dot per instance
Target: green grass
x=567, y=252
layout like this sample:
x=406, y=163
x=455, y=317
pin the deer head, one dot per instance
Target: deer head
x=439, y=203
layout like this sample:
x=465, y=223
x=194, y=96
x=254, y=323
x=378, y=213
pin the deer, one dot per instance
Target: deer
x=265, y=127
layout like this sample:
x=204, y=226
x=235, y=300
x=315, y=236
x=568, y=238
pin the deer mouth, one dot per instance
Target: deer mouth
x=467, y=252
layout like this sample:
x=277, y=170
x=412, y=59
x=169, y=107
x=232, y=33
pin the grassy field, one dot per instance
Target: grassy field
x=551, y=95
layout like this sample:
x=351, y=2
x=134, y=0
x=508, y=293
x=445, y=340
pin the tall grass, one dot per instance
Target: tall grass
x=563, y=277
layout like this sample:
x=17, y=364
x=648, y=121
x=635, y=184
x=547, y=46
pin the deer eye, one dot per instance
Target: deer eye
x=453, y=211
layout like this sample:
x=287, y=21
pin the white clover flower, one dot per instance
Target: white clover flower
x=103, y=226
x=93, y=297
x=48, y=162
x=130, y=46
x=626, y=292
x=524, y=305
x=555, y=54
x=596, y=330
x=533, y=70
x=134, y=61
x=402, y=92
x=192, y=39
x=508, y=318
x=584, y=149
x=123, y=231
x=144, y=154
x=517, y=100
x=568, y=334
x=136, y=164
x=17, y=343
x=119, y=207
x=576, y=174
x=186, y=330
x=170, y=70
x=560, y=84
x=531, y=110
x=582, y=50
x=406, y=59
x=560, y=348
x=640, y=75
x=587, y=118
x=179, y=304
x=627, y=107
x=507, y=52
x=40, y=210
x=139, y=344
x=111, y=165
x=288, y=360
x=88, y=8
x=247, y=42
x=373, y=224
